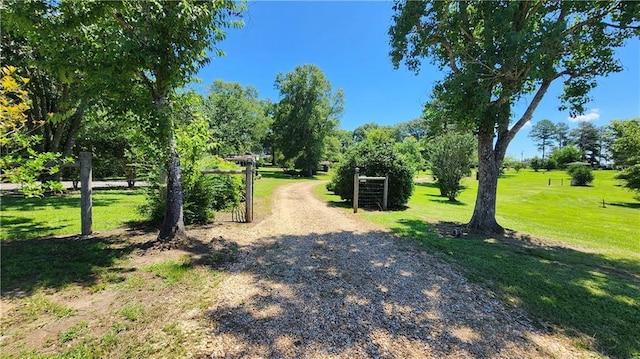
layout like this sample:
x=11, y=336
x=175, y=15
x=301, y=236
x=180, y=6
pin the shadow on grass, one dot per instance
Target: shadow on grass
x=347, y=204
x=52, y=263
x=24, y=227
x=20, y=203
x=632, y=205
x=589, y=296
x=444, y=200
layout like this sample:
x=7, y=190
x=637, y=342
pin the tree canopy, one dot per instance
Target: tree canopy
x=543, y=133
x=498, y=52
x=306, y=114
x=237, y=116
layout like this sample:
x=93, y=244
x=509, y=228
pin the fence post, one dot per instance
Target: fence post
x=249, y=199
x=356, y=184
x=385, y=192
x=86, y=217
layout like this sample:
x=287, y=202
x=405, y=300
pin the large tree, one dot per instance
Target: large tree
x=44, y=39
x=237, y=116
x=625, y=147
x=498, y=52
x=587, y=138
x=307, y=113
x=562, y=134
x=158, y=46
x=543, y=133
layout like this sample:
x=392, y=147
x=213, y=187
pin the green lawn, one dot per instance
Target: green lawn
x=527, y=203
x=23, y=218
x=591, y=293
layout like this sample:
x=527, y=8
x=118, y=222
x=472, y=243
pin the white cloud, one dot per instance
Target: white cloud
x=527, y=124
x=592, y=115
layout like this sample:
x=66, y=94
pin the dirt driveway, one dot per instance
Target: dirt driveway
x=315, y=281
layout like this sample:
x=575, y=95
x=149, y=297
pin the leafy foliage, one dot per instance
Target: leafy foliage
x=376, y=159
x=19, y=161
x=625, y=148
x=566, y=154
x=203, y=194
x=580, y=175
x=587, y=138
x=237, y=116
x=631, y=177
x=306, y=115
x=411, y=150
x=450, y=161
x=496, y=53
x=536, y=163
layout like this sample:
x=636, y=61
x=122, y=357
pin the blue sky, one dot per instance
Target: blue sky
x=349, y=42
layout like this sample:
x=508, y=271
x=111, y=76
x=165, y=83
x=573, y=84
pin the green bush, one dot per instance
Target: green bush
x=565, y=155
x=550, y=164
x=580, y=175
x=375, y=160
x=536, y=163
x=203, y=195
x=450, y=161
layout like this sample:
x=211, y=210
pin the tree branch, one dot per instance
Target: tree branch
x=532, y=106
x=450, y=55
x=621, y=27
x=585, y=22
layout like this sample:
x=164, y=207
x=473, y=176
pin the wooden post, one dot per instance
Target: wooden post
x=249, y=199
x=356, y=184
x=86, y=216
x=385, y=192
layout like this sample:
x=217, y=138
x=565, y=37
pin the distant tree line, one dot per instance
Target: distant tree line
x=599, y=147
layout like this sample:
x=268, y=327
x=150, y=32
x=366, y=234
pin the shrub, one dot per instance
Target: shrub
x=450, y=160
x=566, y=154
x=518, y=166
x=376, y=160
x=550, y=164
x=537, y=163
x=580, y=175
x=203, y=195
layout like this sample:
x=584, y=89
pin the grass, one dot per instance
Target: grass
x=591, y=294
x=270, y=179
x=140, y=310
x=171, y=271
x=23, y=218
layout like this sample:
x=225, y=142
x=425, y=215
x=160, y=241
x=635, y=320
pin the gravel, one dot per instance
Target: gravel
x=313, y=281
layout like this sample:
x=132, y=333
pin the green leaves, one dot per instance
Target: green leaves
x=307, y=113
x=237, y=116
x=450, y=159
x=496, y=53
x=374, y=159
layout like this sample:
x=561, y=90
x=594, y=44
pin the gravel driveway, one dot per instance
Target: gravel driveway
x=312, y=281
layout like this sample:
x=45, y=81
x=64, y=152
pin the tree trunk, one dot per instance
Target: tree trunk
x=484, y=213
x=74, y=128
x=173, y=223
